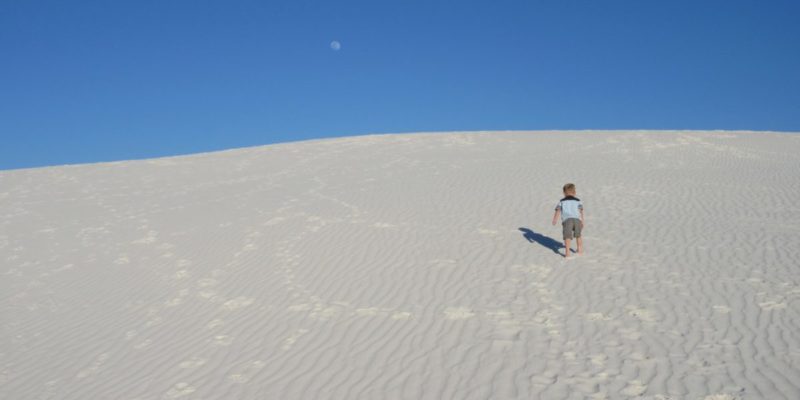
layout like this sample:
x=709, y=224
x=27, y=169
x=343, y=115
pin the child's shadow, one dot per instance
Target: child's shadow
x=543, y=240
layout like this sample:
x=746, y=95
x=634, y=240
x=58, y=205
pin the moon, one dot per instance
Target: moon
x=335, y=45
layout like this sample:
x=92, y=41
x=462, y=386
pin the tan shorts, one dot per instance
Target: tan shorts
x=572, y=228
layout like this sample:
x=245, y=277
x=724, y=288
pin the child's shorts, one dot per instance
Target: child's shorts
x=572, y=228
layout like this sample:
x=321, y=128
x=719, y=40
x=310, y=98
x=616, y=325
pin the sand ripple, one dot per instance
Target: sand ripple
x=409, y=267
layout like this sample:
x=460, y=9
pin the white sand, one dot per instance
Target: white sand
x=399, y=267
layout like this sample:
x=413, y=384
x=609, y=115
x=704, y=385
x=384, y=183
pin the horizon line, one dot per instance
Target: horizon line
x=419, y=132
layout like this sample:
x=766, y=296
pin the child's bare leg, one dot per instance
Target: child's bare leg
x=580, y=245
x=566, y=248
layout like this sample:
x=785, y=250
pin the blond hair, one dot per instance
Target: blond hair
x=569, y=188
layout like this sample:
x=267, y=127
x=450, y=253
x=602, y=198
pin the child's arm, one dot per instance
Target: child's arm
x=583, y=222
x=556, y=215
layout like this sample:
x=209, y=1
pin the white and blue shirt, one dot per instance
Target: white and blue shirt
x=570, y=208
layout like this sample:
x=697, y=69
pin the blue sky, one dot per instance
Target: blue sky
x=91, y=81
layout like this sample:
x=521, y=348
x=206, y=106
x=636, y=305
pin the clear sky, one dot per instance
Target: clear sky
x=86, y=81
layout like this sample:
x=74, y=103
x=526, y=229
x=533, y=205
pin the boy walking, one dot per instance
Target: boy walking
x=571, y=211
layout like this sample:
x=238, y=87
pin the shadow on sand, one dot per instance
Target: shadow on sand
x=543, y=240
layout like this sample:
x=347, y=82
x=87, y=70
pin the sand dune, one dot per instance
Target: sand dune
x=419, y=266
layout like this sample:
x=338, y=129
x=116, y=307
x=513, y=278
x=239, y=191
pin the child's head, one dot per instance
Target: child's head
x=569, y=189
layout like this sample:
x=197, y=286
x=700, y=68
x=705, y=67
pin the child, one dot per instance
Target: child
x=571, y=211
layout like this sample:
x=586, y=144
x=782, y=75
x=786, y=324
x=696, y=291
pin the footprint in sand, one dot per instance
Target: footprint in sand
x=721, y=396
x=179, y=390
x=151, y=237
x=597, y=317
x=641, y=314
x=216, y=323
x=247, y=372
x=173, y=302
x=634, y=388
x=488, y=232
x=458, y=313
x=237, y=303
x=192, y=363
x=222, y=340
x=274, y=221
x=547, y=318
x=207, y=294
x=122, y=260
x=722, y=309
x=383, y=312
x=94, y=368
x=401, y=315
x=772, y=305
x=660, y=397
x=182, y=274
x=207, y=282
x=291, y=340
x=598, y=359
x=324, y=311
